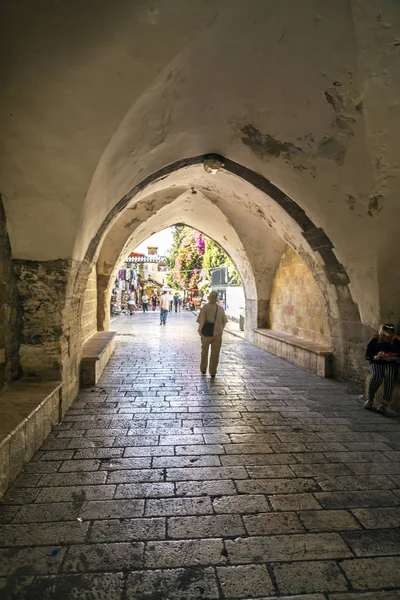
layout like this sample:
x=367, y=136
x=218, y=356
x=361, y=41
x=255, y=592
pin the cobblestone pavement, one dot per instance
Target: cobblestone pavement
x=267, y=482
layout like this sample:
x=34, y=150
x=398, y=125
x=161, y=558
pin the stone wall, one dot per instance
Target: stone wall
x=89, y=308
x=297, y=306
x=42, y=292
x=9, y=334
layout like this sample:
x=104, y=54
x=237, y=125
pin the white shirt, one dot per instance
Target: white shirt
x=165, y=301
x=145, y=298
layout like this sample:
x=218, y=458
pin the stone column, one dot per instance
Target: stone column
x=9, y=309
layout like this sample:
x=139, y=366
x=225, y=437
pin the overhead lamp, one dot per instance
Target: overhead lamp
x=179, y=226
x=212, y=164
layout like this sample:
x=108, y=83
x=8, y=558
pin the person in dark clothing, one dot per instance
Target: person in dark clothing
x=383, y=353
x=154, y=302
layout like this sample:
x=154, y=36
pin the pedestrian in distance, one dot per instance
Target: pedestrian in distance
x=212, y=320
x=383, y=353
x=131, y=304
x=145, y=302
x=154, y=302
x=177, y=302
x=165, y=301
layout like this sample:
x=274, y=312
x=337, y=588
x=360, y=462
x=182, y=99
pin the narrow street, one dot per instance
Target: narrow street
x=161, y=483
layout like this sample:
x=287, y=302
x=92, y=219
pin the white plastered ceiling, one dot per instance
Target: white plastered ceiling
x=99, y=96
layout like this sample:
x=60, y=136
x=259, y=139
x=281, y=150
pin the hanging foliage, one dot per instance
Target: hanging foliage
x=186, y=259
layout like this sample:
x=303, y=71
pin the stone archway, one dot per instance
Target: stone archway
x=236, y=191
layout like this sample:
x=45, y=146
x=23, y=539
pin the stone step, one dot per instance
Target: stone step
x=28, y=412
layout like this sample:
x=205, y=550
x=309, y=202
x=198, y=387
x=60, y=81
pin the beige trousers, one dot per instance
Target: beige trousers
x=215, y=342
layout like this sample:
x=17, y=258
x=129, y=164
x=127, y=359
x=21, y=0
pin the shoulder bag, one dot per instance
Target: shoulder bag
x=208, y=328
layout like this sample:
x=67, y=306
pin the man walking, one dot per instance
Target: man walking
x=212, y=320
x=164, y=307
x=145, y=302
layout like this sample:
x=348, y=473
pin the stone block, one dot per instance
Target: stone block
x=183, y=553
x=245, y=581
x=304, y=547
x=300, y=578
x=308, y=355
x=4, y=462
x=199, y=584
x=95, y=356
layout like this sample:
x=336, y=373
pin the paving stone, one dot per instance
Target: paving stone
x=111, y=509
x=310, y=458
x=378, y=518
x=186, y=461
x=199, y=474
x=321, y=471
x=79, y=465
x=133, y=451
x=43, y=467
x=100, y=453
x=57, y=455
x=26, y=480
x=373, y=573
x=145, y=490
x=104, y=586
x=328, y=520
x=270, y=523
x=307, y=546
x=32, y=534
x=276, y=486
x=257, y=459
x=20, y=496
x=115, y=464
x=354, y=482
x=352, y=457
x=178, y=506
x=78, y=493
x=306, y=577
x=356, y=499
x=205, y=488
x=240, y=504
x=19, y=588
x=174, y=584
x=391, y=595
x=135, y=476
x=381, y=468
x=38, y=560
x=184, y=553
x=205, y=526
x=245, y=581
x=37, y=513
x=270, y=471
x=65, y=479
x=127, y=530
x=103, y=557
x=200, y=450
x=373, y=543
x=7, y=513
x=248, y=449
x=53, y=443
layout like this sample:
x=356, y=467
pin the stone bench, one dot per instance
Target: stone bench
x=28, y=412
x=395, y=401
x=301, y=352
x=95, y=356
